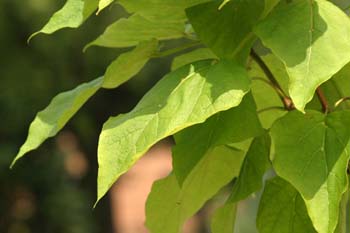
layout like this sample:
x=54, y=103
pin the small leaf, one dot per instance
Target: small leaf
x=72, y=15
x=282, y=209
x=130, y=31
x=129, y=64
x=53, y=118
x=304, y=34
x=193, y=56
x=168, y=205
x=181, y=99
x=227, y=127
x=311, y=153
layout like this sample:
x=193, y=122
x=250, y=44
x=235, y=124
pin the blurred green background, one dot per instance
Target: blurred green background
x=43, y=194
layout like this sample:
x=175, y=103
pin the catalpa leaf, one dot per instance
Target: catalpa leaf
x=169, y=205
x=181, y=99
x=227, y=127
x=228, y=30
x=311, y=153
x=72, y=15
x=129, y=64
x=312, y=38
x=130, y=31
x=249, y=181
x=53, y=118
x=282, y=209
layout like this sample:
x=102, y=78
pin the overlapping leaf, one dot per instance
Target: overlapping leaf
x=72, y=15
x=130, y=31
x=193, y=56
x=234, y=125
x=311, y=153
x=183, y=98
x=312, y=38
x=54, y=117
x=282, y=209
x=169, y=205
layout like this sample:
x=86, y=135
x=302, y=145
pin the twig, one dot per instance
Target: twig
x=287, y=102
x=323, y=100
x=342, y=100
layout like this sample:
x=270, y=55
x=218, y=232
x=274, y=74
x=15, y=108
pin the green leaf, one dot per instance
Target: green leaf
x=311, y=153
x=223, y=220
x=181, y=99
x=103, y=4
x=256, y=163
x=312, y=38
x=53, y=118
x=130, y=31
x=168, y=205
x=233, y=125
x=228, y=31
x=282, y=209
x=193, y=56
x=129, y=64
x=72, y=15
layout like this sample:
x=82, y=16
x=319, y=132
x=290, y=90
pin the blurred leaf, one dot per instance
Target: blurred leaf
x=54, y=117
x=72, y=15
x=130, y=31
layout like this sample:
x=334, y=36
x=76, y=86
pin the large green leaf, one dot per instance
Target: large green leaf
x=234, y=125
x=53, y=118
x=255, y=164
x=169, y=205
x=129, y=64
x=228, y=31
x=72, y=15
x=190, y=57
x=312, y=38
x=181, y=99
x=130, y=31
x=282, y=209
x=311, y=153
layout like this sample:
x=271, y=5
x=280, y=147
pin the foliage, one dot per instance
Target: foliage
x=239, y=100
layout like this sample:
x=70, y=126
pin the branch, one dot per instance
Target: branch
x=342, y=100
x=287, y=102
x=323, y=100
